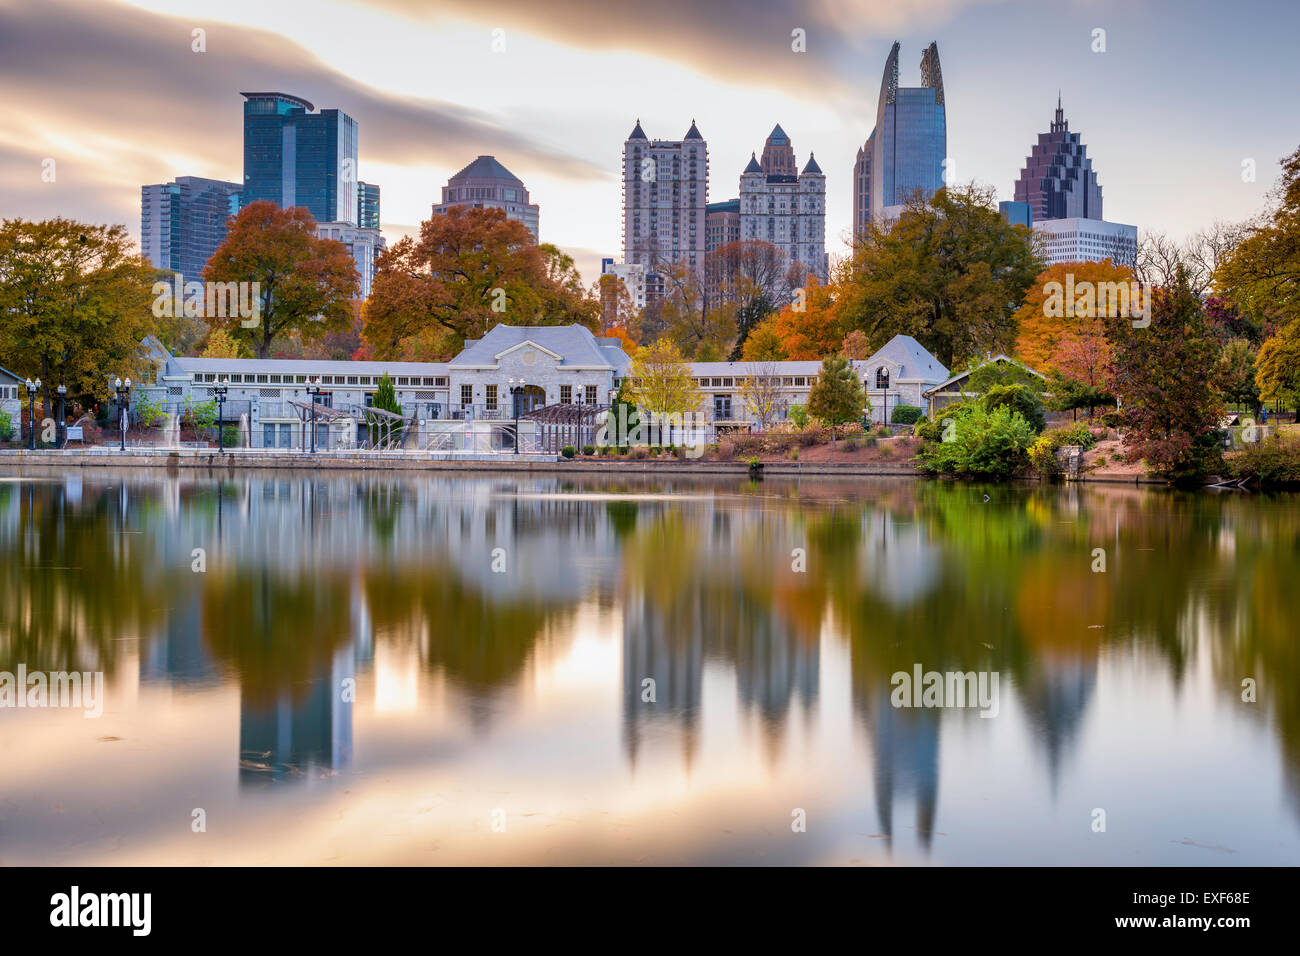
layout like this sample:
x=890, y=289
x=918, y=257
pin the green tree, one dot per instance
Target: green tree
x=950, y=272
x=1162, y=376
x=384, y=429
x=305, y=285
x=981, y=443
x=1236, y=374
x=836, y=397
x=662, y=383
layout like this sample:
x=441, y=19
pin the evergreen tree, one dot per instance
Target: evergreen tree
x=385, y=399
x=837, y=397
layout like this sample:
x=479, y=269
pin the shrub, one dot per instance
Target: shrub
x=1042, y=454
x=568, y=451
x=1112, y=419
x=792, y=454
x=1273, y=461
x=1101, y=459
x=640, y=452
x=6, y=426
x=1019, y=398
x=986, y=444
x=886, y=452
x=905, y=415
x=589, y=449
x=882, y=432
x=230, y=436
x=797, y=414
x=871, y=442
x=726, y=449
x=850, y=444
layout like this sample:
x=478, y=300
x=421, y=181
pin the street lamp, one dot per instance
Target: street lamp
x=219, y=393
x=123, y=390
x=314, y=393
x=32, y=389
x=62, y=428
x=516, y=389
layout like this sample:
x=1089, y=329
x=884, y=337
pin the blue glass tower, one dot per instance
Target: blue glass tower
x=294, y=156
x=905, y=152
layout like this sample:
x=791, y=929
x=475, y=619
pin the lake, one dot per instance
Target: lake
x=359, y=668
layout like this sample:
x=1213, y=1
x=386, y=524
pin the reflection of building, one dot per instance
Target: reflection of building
x=294, y=738
x=178, y=655
x=485, y=183
x=1055, y=699
x=906, y=755
x=655, y=648
x=905, y=153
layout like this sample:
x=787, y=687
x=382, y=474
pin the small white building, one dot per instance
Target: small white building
x=1086, y=240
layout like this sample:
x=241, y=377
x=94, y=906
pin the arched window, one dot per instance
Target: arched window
x=882, y=377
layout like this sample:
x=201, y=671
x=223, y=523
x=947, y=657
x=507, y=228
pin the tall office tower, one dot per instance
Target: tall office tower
x=665, y=200
x=1058, y=180
x=367, y=205
x=364, y=245
x=183, y=222
x=784, y=208
x=296, y=157
x=721, y=224
x=906, y=150
x=486, y=183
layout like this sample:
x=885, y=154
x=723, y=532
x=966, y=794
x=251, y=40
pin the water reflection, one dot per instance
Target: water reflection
x=750, y=615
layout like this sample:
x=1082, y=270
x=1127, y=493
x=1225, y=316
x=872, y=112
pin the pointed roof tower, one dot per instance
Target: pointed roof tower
x=637, y=132
x=693, y=133
x=812, y=167
x=753, y=166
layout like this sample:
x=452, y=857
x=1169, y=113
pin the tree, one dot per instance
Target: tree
x=1068, y=337
x=1161, y=374
x=855, y=346
x=618, y=313
x=74, y=305
x=662, y=383
x=221, y=344
x=304, y=284
x=764, y=343
x=761, y=394
x=950, y=272
x=1278, y=364
x=1236, y=374
x=836, y=397
x=811, y=328
x=470, y=269
x=382, y=428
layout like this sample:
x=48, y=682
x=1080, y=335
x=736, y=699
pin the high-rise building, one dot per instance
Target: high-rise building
x=486, y=183
x=183, y=222
x=294, y=156
x=721, y=224
x=1017, y=213
x=785, y=208
x=665, y=200
x=367, y=205
x=364, y=244
x=633, y=278
x=905, y=152
x=1058, y=181
x=1086, y=240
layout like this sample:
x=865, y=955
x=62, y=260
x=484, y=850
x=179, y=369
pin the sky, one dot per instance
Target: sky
x=1184, y=93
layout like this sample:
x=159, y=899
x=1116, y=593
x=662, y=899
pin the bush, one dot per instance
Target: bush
x=1018, y=398
x=850, y=444
x=230, y=437
x=1273, y=461
x=6, y=426
x=797, y=414
x=792, y=454
x=589, y=450
x=1042, y=454
x=726, y=450
x=568, y=451
x=640, y=452
x=905, y=415
x=1101, y=459
x=986, y=444
x=1112, y=419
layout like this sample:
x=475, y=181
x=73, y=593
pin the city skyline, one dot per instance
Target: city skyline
x=422, y=121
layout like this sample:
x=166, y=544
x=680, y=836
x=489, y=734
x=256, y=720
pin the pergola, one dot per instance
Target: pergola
x=565, y=424
x=315, y=412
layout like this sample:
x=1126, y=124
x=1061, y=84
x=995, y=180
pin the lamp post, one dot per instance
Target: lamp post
x=61, y=429
x=314, y=393
x=32, y=389
x=219, y=393
x=123, y=390
x=516, y=389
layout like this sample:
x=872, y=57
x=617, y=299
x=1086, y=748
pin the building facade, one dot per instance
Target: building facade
x=633, y=278
x=721, y=224
x=906, y=151
x=485, y=183
x=786, y=208
x=183, y=222
x=363, y=244
x=1086, y=240
x=665, y=200
x=1058, y=181
x=294, y=156
x=368, y=206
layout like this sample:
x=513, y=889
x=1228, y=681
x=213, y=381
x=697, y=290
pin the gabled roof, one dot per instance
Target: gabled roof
x=753, y=166
x=576, y=346
x=16, y=378
x=913, y=360
x=811, y=166
x=965, y=373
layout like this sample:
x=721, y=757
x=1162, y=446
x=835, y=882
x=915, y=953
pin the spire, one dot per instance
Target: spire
x=1059, y=125
x=637, y=133
x=753, y=166
x=811, y=166
x=693, y=133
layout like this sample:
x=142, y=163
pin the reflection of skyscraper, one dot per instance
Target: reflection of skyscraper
x=906, y=745
x=1055, y=700
x=178, y=654
x=906, y=150
x=291, y=739
x=655, y=648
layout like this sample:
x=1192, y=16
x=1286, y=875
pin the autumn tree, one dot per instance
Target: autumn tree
x=949, y=272
x=74, y=305
x=764, y=343
x=1162, y=375
x=304, y=284
x=836, y=397
x=221, y=344
x=662, y=383
x=470, y=269
x=699, y=331
x=810, y=327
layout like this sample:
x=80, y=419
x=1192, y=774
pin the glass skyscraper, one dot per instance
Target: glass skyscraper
x=294, y=156
x=367, y=205
x=183, y=222
x=906, y=151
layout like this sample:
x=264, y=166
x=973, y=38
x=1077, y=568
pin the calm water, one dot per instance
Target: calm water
x=506, y=685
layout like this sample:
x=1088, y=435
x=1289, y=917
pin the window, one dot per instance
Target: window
x=467, y=394
x=882, y=377
x=591, y=394
x=566, y=394
x=491, y=396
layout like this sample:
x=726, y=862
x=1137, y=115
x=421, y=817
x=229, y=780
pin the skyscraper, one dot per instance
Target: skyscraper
x=367, y=205
x=183, y=222
x=906, y=150
x=665, y=200
x=721, y=224
x=785, y=208
x=1058, y=180
x=486, y=183
x=294, y=156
